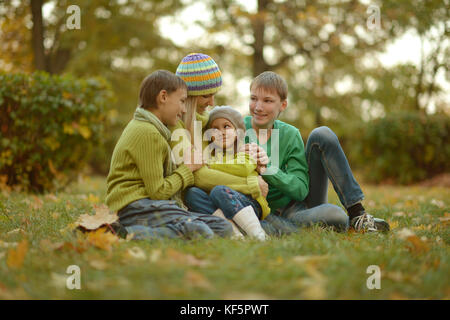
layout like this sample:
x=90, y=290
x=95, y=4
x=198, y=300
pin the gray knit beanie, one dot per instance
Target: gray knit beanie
x=228, y=113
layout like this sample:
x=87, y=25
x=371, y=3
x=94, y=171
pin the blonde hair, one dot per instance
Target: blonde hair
x=271, y=81
x=189, y=117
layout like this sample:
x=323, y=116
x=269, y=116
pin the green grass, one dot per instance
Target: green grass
x=334, y=268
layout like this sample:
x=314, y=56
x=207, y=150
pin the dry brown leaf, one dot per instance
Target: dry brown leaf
x=16, y=256
x=98, y=264
x=102, y=239
x=418, y=245
x=136, y=253
x=36, y=204
x=186, y=259
x=197, y=280
x=92, y=222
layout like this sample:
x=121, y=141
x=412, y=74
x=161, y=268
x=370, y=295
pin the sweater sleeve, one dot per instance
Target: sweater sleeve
x=206, y=179
x=149, y=155
x=292, y=179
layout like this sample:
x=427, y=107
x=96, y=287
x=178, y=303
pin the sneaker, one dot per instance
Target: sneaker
x=367, y=223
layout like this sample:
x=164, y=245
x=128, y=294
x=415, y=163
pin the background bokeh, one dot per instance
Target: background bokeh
x=376, y=72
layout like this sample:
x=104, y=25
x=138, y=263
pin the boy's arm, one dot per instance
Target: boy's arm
x=293, y=179
x=206, y=178
x=242, y=165
x=149, y=156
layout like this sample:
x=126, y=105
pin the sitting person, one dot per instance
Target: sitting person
x=144, y=185
x=226, y=130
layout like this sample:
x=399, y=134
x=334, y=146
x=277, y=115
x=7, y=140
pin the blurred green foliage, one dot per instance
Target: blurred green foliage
x=49, y=125
x=402, y=147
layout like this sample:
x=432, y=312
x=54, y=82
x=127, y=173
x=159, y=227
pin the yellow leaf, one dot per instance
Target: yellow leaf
x=198, y=280
x=101, y=239
x=16, y=256
x=68, y=128
x=52, y=143
x=93, y=198
x=84, y=131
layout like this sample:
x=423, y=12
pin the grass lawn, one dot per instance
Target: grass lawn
x=37, y=245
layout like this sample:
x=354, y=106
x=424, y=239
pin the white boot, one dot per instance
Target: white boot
x=249, y=222
x=237, y=234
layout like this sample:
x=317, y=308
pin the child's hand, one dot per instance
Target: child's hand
x=256, y=152
x=263, y=186
x=261, y=168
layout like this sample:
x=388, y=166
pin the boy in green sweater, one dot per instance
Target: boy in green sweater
x=144, y=184
x=298, y=181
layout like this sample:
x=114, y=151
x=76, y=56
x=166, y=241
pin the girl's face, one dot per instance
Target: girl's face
x=224, y=133
x=265, y=106
x=204, y=101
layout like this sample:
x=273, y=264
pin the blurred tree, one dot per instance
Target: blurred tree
x=327, y=53
x=119, y=40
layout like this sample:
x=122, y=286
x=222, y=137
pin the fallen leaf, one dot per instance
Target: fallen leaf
x=16, y=256
x=398, y=214
x=36, y=204
x=186, y=259
x=101, y=239
x=418, y=244
x=98, y=264
x=14, y=231
x=136, y=253
x=51, y=197
x=197, y=280
x=92, y=222
x=58, y=280
x=438, y=203
x=93, y=198
x=155, y=255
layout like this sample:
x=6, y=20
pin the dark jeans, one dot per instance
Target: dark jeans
x=152, y=219
x=326, y=160
x=220, y=197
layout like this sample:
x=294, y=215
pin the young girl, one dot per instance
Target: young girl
x=226, y=130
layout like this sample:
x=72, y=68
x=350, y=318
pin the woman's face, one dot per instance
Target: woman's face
x=204, y=101
x=224, y=133
x=265, y=106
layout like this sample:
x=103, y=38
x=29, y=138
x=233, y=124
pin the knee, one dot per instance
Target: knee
x=218, y=192
x=336, y=217
x=192, y=194
x=323, y=134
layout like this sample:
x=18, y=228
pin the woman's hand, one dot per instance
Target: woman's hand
x=263, y=186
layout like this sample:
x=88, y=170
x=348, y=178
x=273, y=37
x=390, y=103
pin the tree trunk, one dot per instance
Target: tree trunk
x=38, y=35
x=258, y=25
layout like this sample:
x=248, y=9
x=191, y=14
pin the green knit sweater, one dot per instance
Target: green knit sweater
x=137, y=168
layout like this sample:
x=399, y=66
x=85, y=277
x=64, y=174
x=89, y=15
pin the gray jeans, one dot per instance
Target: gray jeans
x=154, y=219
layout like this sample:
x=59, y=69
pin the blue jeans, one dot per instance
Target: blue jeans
x=220, y=197
x=231, y=202
x=153, y=219
x=326, y=160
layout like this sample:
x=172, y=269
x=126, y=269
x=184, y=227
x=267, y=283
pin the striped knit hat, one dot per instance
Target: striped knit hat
x=201, y=74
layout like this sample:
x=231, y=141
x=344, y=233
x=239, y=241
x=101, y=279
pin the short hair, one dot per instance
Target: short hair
x=152, y=85
x=270, y=81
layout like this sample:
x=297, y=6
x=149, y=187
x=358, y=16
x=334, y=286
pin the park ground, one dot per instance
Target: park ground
x=38, y=244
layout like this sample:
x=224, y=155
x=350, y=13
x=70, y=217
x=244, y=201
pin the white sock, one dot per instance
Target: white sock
x=249, y=222
x=237, y=234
